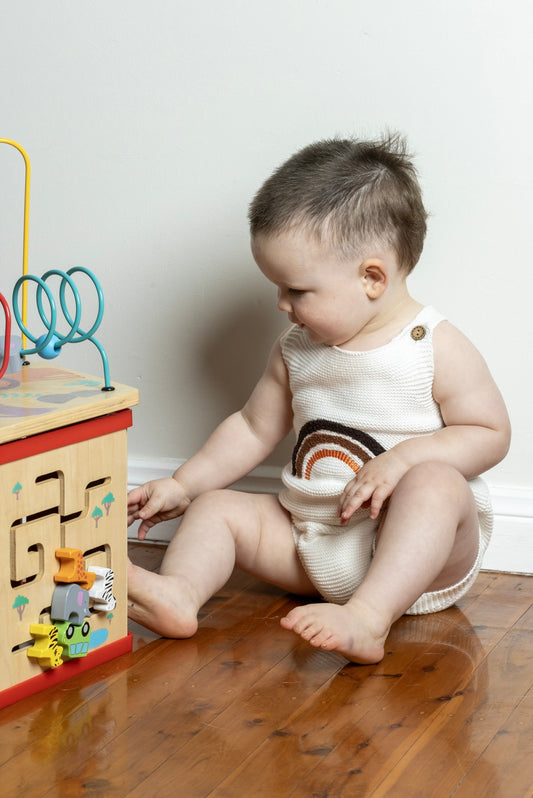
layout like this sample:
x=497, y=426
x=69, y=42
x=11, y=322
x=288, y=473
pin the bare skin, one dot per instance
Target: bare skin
x=254, y=533
x=411, y=558
x=428, y=534
x=248, y=530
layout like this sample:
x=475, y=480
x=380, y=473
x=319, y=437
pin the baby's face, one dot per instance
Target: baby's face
x=321, y=291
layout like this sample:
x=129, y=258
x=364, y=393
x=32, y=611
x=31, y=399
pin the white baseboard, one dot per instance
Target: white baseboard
x=510, y=550
x=511, y=546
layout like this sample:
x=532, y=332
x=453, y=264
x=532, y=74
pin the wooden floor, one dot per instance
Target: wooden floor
x=244, y=709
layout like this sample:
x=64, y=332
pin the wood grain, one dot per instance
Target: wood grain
x=40, y=398
x=246, y=709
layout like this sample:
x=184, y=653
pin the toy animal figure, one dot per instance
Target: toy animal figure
x=46, y=649
x=70, y=603
x=72, y=569
x=74, y=639
x=102, y=590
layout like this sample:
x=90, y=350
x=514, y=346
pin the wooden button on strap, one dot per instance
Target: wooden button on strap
x=418, y=332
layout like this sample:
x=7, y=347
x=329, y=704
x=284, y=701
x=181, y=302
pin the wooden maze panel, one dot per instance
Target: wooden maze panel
x=73, y=497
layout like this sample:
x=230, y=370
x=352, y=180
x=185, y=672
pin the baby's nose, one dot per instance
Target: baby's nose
x=283, y=301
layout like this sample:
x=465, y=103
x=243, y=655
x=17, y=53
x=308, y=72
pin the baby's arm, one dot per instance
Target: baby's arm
x=246, y=437
x=237, y=445
x=475, y=437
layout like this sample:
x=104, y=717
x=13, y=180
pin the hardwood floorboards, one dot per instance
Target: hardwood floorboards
x=244, y=709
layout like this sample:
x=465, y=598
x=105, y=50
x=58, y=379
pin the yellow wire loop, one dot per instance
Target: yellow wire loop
x=26, y=226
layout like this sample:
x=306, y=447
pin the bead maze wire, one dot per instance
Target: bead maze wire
x=49, y=345
x=26, y=223
x=7, y=336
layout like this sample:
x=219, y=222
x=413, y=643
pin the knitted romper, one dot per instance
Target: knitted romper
x=349, y=407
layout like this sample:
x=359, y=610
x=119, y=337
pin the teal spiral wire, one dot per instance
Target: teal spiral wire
x=49, y=345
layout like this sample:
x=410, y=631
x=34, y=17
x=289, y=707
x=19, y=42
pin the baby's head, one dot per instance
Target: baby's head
x=355, y=196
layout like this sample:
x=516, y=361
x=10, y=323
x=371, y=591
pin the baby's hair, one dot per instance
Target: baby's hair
x=350, y=194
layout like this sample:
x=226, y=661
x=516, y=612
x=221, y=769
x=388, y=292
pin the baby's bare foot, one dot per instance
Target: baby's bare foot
x=354, y=630
x=161, y=603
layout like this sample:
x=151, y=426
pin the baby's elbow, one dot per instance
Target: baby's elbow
x=507, y=439
x=502, y=441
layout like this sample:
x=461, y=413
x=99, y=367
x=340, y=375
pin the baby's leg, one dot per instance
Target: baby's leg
x=428, y=540
x=220, y=529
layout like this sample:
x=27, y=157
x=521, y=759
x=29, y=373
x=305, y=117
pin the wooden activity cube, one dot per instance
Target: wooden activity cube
x=63, y=485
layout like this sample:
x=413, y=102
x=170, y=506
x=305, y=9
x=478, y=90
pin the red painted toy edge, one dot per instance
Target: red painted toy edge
x=64, y=436
x=54, y=676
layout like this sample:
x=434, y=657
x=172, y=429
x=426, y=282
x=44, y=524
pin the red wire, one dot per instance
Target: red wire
x=7, y=339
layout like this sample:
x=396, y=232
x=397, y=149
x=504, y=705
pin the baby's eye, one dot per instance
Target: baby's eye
x=296, y=291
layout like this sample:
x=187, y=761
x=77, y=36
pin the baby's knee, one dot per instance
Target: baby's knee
x=226, y=507
x=212, y=502
x=437, y=491
x=434, y=477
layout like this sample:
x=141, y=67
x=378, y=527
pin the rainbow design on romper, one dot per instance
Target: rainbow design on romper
x=321, y=438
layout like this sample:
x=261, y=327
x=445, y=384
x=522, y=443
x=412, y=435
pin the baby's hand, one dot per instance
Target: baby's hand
x=372, y=486
x=153, y=502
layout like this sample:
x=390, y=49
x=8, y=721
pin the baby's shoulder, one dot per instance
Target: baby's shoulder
x=458, y=363
x=449, y=339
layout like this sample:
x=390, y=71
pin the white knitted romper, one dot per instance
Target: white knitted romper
x=349, y=407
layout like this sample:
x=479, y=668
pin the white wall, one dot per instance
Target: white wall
x=150, y=126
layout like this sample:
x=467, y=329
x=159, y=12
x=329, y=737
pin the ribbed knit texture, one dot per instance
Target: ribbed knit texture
x=348, y=407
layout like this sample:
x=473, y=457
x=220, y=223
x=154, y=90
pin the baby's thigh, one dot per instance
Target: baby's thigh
x=264, y=543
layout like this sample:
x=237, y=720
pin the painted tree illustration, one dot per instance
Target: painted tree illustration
x=96, y=514
x=107, y=501
x=16, y=490
x=20, y=605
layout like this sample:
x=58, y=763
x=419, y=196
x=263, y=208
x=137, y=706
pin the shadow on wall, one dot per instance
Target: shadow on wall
x=235, y=351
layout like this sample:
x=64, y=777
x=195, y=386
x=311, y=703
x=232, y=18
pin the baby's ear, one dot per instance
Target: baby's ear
x=373, y=273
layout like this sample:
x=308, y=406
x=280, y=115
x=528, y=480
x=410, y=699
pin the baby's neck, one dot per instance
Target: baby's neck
x=396, y=311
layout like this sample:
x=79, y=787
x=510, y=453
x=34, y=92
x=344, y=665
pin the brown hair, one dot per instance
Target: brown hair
x=351, y=193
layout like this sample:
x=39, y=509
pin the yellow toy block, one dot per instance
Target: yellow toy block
x=46, y=648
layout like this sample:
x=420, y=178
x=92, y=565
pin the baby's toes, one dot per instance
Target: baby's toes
x=322, y=639
x=301, y=621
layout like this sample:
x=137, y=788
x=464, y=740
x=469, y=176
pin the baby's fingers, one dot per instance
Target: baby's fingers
x=354, y=497
x=144, y=528
x=132, y=515
x=377, y=501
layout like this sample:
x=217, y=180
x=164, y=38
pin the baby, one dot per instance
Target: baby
x=395, y=415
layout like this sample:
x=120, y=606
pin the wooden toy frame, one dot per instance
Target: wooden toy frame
x=63, y=483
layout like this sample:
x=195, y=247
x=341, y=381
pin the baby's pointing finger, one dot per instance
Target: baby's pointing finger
x=348, y=506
